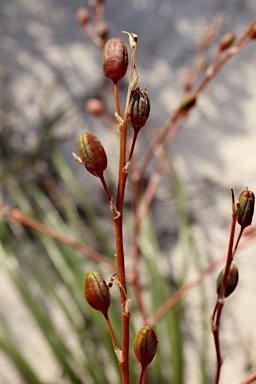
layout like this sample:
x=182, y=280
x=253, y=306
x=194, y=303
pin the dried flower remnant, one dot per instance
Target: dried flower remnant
x=115, y=59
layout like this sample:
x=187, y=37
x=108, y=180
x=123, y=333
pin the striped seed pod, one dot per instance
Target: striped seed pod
x=145, y=345
x=96, y=292
x=92, y=154
x=245, y=208
x=139, y=108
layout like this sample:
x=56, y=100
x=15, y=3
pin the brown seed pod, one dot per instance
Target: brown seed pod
x=245, y=208
x=252, y=31
x=102, y=29
x=82, y=16
x=92, y=154
x=96, y=292
x=226, y=41
x=94, y=106
x=115, y=59
x=232, y=280
x=188, y=102
x=139, y=108
x=145, y=345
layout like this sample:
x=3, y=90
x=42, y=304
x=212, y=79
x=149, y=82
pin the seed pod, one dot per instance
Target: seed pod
x=94, y=106
x=139, y=108
x=252, y=31
x=231, y=282
x=145, y=345
x=82, y=16
x=226, y=41
x=115, y=59
x=245, y=208
x=102, y=29
x=188, y=102
x=92, y=154
x=96, y=292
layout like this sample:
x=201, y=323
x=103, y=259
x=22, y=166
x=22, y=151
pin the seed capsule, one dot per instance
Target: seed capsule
x=139, y=108
x=226, y=41
x=96, y=292
x=245, y=208
x=252, y=31
x=145, y=345
x=188, y=102
x=231, y=282
x=82, y=16
x=115, y=59
x=92, y=154
x=102, y=29
x=94, y=106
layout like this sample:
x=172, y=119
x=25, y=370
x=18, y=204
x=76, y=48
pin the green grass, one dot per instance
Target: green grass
x=31, y=260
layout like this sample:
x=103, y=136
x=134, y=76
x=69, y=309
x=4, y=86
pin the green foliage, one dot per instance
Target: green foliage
x=49, y=279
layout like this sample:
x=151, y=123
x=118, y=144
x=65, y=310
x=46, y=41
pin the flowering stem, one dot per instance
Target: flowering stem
x=216, y=316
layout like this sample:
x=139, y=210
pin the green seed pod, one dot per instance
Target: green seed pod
x=232, y=280
x=115, y=59
x=96, y=292
x=188, y=102
x=245, y=208
x=92, y=154
x=227, y=41
x=139, y=108
x=145, y=345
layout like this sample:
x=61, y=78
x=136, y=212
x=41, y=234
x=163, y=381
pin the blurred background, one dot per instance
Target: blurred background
x=49, y=68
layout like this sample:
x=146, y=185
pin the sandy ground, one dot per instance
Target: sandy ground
x=42, y=49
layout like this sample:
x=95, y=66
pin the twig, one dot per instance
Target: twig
x=19, y=217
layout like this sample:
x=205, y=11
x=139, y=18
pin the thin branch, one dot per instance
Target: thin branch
x=18, y=216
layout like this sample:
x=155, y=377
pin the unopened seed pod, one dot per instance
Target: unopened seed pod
x=145, y=345
x=92, y=154
x=226, y=41
x=94, y=106
x=231, y=282
x=115, y=59
x=245, y=208
x=139, y=108
x=102, y=29
x=188, y=101
x=82, y=16
x=96, y=292
x=252, y=31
